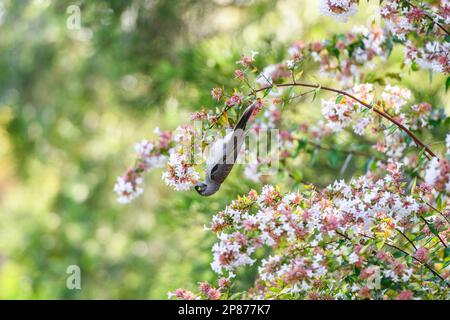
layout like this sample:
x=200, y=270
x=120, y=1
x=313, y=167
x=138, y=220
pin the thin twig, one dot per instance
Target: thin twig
x=437, y=233
x=353, y=152
x=429, y=17
x=378, y=111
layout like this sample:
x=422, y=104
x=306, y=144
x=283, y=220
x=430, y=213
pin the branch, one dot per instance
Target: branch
x=381, y=113
x=404, y=252
x=429, y=17
x=438, y=211
x=437, y=232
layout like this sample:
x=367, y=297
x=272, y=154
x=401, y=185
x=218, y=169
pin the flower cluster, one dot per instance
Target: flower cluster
x=149, y=155
x=180, y=173
x=383, y=235
x=206, y=291
x=437, y=173
x=346, y=55
x=433, y=56
x=171, y=148
x=348, y=230
x=341, y=112
x=402, y=19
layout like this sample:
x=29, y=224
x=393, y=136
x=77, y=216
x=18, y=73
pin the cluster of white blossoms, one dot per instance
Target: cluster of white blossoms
x=149, y=155
x=128, y=188
x=396, y=19
x=437, y=173
x=321, y=237
x=365, y=206
x=353, y=51
x=172, y=148
x=343, y=111
x=338, y=9
x=395, y=97
x=180, y=173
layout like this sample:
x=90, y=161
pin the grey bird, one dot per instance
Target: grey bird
x=223, y=155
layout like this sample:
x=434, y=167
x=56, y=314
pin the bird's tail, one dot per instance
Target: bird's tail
x=242, y=123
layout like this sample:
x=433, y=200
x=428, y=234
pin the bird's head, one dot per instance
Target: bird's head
x=205, y=190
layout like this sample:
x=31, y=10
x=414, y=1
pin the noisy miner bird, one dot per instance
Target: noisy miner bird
x=223, y=155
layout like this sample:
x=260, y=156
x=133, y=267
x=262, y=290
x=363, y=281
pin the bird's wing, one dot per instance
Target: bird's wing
x=224, y=152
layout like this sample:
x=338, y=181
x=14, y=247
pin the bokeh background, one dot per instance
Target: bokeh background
x=73, y=103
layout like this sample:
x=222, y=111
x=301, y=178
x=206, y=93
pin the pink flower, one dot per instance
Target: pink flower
x=365, y=292
x=204, y=287
x=199, y=115
x=405, y=295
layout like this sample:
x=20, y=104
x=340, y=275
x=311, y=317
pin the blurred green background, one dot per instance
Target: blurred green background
x=73, y=103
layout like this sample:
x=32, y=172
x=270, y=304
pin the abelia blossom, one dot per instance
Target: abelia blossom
x=247, y=60
x=217, y=93
x=433, y=56
x=128, y=187
x=402, y=19
x=149, y=155
x=338, y=9
x=180, y=173
x=272, y=73
x=437, y=174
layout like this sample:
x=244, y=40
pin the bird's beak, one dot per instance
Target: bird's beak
x=200, y=187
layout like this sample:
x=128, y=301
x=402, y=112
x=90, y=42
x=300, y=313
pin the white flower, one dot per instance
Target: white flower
x=432, y=172
x=341, y=10
x=447, y=142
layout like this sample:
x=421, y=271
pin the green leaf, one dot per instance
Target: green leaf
x=297, y=175
x=433, y=229
x=302, y=144
x=447, y=84
x=380, y=244
x=339, y=98
x=447, y=253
